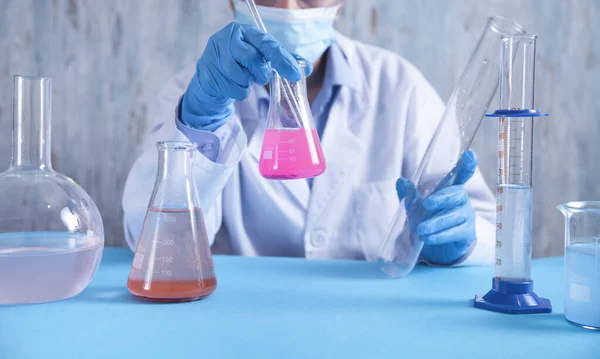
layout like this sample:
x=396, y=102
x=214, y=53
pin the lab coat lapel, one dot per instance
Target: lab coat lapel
x=341, y=145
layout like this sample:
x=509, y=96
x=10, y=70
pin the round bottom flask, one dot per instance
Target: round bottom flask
x=51, y=233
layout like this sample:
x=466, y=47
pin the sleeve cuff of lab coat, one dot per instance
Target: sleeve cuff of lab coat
x=211, y=175
x=223, y=146
x=208, y=142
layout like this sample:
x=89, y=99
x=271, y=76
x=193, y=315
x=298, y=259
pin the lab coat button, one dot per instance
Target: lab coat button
x=318, y=239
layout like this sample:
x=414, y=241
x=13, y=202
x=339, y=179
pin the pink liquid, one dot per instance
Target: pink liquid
x=172, y=261
x=291, y=153
x=39, y=267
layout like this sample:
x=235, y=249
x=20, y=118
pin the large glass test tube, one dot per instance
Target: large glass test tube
x=464, y=111
x=515, y=149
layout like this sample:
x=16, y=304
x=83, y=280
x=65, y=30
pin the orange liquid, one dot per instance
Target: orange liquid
x=173, y=290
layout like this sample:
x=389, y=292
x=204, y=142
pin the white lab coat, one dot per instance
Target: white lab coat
x=378, y=130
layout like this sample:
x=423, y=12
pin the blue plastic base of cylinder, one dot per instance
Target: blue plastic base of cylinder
x=513, y=298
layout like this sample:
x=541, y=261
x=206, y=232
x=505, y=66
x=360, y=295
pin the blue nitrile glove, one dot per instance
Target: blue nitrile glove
x=445, y=219
x=234, y=58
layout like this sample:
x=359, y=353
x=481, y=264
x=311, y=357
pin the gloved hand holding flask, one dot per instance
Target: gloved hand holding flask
x=235, y=57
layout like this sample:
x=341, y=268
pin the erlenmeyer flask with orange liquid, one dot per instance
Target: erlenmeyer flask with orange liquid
x=291, y=148
x=172, y=261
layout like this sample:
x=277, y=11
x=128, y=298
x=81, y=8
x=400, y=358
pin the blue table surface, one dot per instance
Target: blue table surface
x=296, y=308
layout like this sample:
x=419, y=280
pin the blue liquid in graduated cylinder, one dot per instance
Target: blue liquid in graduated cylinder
x=582, y=284
x=513, y=238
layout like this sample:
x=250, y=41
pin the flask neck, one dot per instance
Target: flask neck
x=175, y=186
x=289, y=101
x=174, y=164
x=32, y=102
x=298, y=91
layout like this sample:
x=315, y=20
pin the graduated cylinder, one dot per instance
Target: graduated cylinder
x=515, y=151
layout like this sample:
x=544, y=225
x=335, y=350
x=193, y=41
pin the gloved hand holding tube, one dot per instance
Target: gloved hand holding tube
x=445, y=220
x=234, y=58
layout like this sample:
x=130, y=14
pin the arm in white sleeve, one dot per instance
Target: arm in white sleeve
x=425, y=111
x=219, y=155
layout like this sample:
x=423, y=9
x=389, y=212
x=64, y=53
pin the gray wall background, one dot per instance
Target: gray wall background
x=108, y=60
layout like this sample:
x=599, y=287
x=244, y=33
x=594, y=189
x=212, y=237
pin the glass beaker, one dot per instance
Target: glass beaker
x=172, y=261
x=582, y=263
x=291, y=148
x=51, y=233
x=464, y=112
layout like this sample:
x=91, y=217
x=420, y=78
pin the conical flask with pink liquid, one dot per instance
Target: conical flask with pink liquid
x=291, y=147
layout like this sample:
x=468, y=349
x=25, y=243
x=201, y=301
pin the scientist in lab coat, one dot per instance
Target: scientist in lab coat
x=375, y=114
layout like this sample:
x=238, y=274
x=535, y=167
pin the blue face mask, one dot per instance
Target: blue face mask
x=307, y=32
